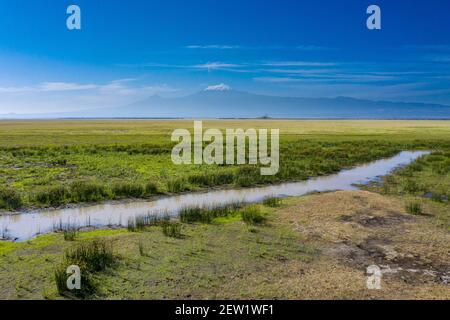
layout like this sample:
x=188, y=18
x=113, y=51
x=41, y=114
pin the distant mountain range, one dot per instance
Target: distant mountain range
x=227, y=103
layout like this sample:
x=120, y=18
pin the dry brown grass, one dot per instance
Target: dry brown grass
x=357, y=229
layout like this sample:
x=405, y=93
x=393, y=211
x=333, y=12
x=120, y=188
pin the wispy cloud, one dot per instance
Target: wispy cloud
x=120, y=87
x=50, y=87
x=245, y=47
x=65, y=86
x=300, y=71
x=232, y=66
x=326, y=78
x=219, y=87
x=212, y=46
x=216, y=66
x=12, y=89
x=277, y=79
x=298, y=64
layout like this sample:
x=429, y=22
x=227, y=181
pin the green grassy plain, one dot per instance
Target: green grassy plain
x=53, y=163
x=313, y=247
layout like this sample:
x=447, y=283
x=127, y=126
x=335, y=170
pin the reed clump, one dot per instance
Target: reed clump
x=272, y=201
x=414, y=208
x=252, y=215
x=172, y=229
x=90, y=257
x=10, y=199
x=177, y=185
x=140, y=223
x=207, y=214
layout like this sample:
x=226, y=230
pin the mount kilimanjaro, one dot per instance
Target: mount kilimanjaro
x=222, y=102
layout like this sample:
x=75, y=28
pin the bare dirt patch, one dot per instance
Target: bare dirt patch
x=357, y=229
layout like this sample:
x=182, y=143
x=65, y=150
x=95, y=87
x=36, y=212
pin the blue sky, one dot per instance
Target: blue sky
x=128, y=50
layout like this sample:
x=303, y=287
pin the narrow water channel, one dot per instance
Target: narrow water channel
x=21, y=227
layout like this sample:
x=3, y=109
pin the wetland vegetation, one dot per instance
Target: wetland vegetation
x=317, y=246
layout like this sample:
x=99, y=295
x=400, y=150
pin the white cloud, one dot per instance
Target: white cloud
x=64, y=86
x=219, y=87
x=300, y=71
x=15, y=89
x=49, y=87
x=116, y=86
x=215, y=66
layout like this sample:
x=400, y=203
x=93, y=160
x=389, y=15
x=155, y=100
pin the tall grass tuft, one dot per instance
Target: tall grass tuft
x=414, y=208
x=91, y=256
x=206, y=215
x=138, y=224
x=272, y=201
x=127, y=189
x=10, y=199
x=252, y=215
x=410, y=186
x=141, y=248
x=70, y=234
x=150, y=188
x=52, y=196
x=171, y=229
x=212, y=179
x=88, y=286
x=177, y=185
x=88, y=191
x=132, y=189
x=78, y=191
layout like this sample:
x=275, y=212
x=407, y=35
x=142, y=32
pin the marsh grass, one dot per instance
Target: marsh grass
x=171, y=229
x=252, y=215
x=133, y=189
x=78, y=191
x=141, y=248
x=208, y=214
x=176, y=185
x=69, y=231
x=70, y=234
x=127, y=189
x=10, y=199
x=212, y=179
x=91, y=257
x=272, y=201
x=88, y=285
x=150, y=188
x=140, y=223
x=410, y=186
x=414, y=208
x=88, y=191
x=61, y=226
x=62, y=169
